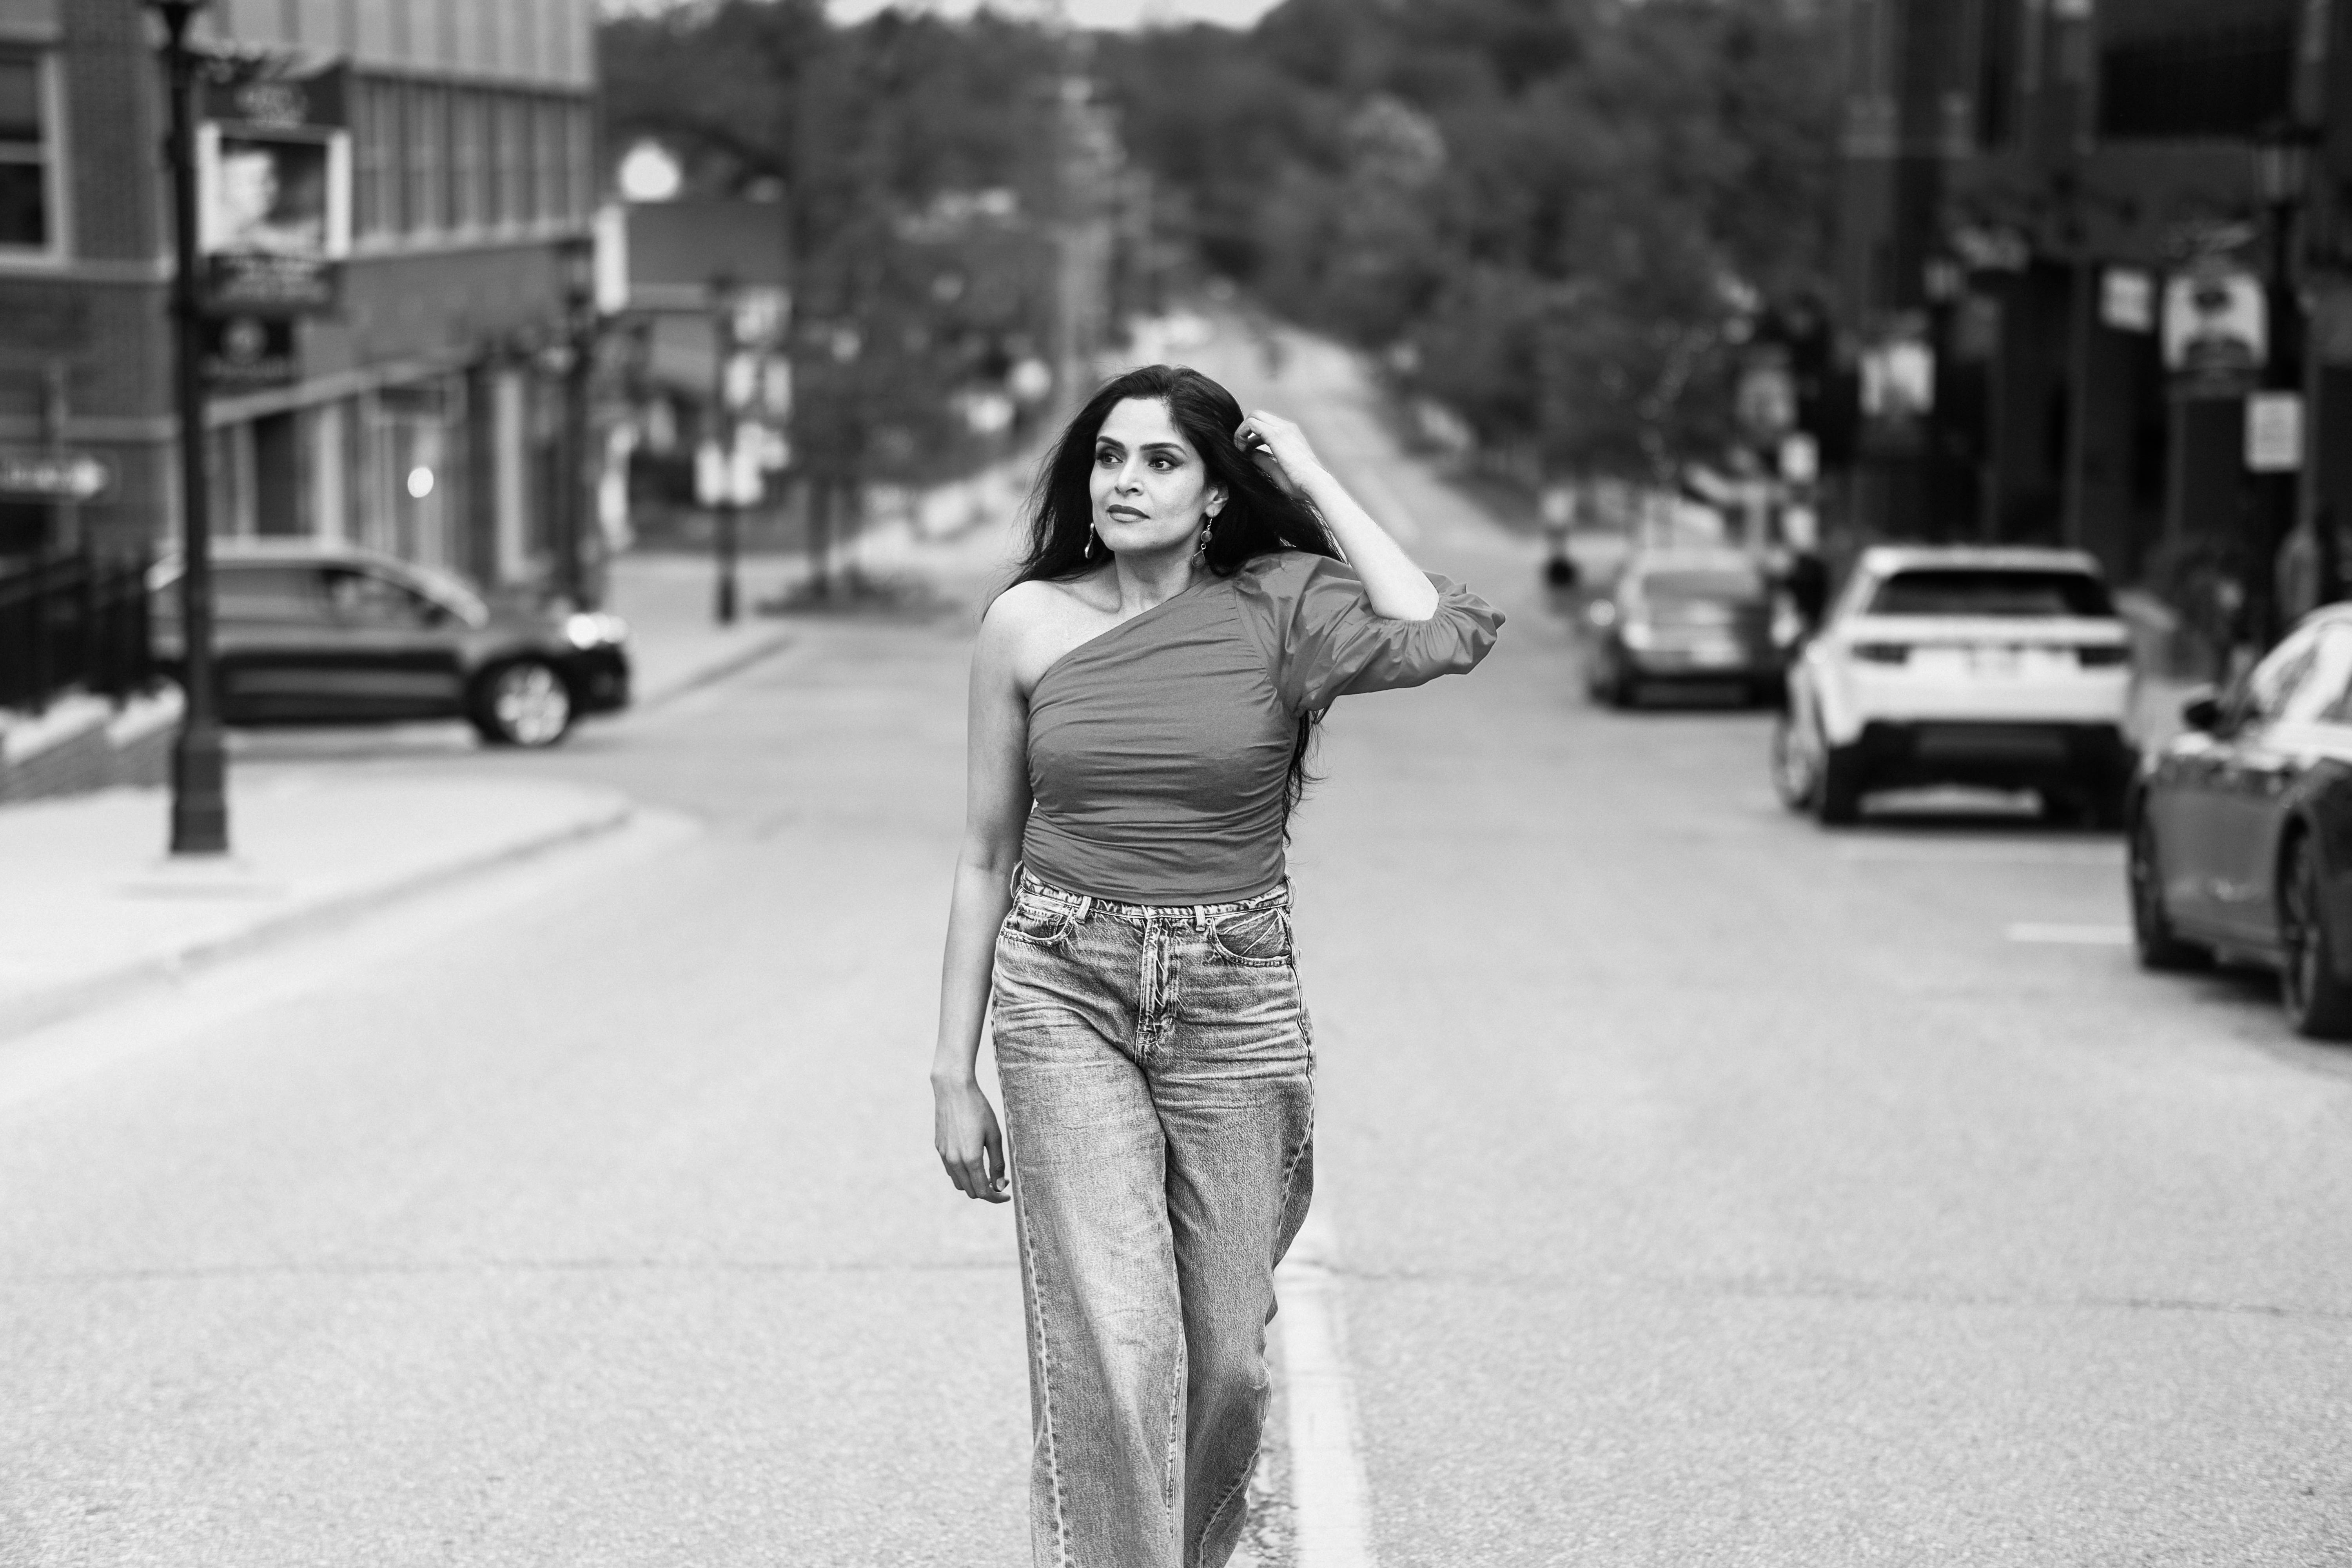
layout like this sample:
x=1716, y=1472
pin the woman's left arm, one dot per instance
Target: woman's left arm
x=1394, y=587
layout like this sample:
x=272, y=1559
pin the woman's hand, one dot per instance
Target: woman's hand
x=1279, y=447
x=1396, y=589
x=971, y=1144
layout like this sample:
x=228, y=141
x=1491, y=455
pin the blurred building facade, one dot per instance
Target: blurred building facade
x=423, y=412
x=2083, y=247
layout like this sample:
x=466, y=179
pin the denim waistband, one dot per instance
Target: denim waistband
x=1082, y=904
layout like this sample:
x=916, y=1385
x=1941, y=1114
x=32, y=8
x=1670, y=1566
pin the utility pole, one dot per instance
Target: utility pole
x=722, y=469
x=199, y=760
x=2281, y=181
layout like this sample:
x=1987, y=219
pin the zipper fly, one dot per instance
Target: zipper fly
x=1156, y=988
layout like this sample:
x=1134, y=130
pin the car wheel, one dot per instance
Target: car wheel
x=1596, y=678
x=1837, y=801
x=525, y=703
x=2318, y=1001
x=2093, y=802
x=2152, y=937
x=1796, y=761
x=2066, y=808
x=1621, y=690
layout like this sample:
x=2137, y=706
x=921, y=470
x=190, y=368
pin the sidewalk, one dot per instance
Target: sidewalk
x=956, y=536
x=675, y=642
x=90, y=904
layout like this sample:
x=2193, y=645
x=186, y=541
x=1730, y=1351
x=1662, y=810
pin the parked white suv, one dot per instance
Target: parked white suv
x=1942, y=665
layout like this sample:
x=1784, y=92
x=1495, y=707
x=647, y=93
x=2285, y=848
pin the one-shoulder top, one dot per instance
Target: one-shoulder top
x=1158, y=749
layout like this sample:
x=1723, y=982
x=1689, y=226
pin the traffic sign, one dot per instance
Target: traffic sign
x=2273, y=432
x=55, y=476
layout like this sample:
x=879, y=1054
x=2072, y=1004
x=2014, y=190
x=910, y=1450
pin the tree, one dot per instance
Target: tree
x=1566, y=208
x=866, y=136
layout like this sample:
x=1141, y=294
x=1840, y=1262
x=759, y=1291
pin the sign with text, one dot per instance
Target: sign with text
x=55, y=476
x=273, y=185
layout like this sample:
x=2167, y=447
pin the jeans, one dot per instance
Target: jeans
x=1159, y=1096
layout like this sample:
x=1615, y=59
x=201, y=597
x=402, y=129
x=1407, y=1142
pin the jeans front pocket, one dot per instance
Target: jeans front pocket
x=1258, y=938
x=1038, y=923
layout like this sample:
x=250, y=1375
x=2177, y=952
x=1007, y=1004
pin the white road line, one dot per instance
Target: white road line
x=1963, y=854
x=1327, y=1467
x=2071, y=936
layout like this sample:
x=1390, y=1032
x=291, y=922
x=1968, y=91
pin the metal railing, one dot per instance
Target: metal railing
x=73, y=623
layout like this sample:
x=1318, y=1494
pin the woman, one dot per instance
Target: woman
x=1197, y=591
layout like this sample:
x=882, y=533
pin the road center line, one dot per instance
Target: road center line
x=1328, y=1496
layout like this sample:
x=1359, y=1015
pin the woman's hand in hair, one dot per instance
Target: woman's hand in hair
x=1394, y=587
x=1279, y=447
x=971, y=1144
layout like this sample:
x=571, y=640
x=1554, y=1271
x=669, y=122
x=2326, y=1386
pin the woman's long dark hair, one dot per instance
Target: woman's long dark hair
x=1259, y=517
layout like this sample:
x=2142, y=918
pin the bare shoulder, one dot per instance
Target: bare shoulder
x=1032, y=624
x=1024, y=604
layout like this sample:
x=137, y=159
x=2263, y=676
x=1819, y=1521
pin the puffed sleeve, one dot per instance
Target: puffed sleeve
x=1322, y=640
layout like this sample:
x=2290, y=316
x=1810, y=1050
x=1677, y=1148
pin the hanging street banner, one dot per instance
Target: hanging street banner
x=55, y=476
x=274, y=184
x=2216, y=330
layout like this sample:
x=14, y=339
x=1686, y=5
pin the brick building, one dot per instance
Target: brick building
x=2056, y=197
x=423, y=412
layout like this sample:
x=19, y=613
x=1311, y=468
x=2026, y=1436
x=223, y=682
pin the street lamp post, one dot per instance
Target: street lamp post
x=2282, y=174
x=723, y=301
x=579, y=331
x=199, y=760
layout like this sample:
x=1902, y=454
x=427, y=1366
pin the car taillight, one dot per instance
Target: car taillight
x=2094, y=655
x=1880, y=652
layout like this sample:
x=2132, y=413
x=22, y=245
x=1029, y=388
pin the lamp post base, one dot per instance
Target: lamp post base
x=199, y=792
x=724, y=606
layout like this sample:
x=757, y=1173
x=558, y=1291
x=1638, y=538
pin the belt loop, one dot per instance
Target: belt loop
x=1085, y=903
x=1201, y=916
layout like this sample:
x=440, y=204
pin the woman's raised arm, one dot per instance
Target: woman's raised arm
x=1396, y=589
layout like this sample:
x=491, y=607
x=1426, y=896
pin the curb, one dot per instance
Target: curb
x=43, y=1006
x=719, y=669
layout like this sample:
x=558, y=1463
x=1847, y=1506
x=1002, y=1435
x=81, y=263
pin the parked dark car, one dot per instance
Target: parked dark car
x=315, y=633
x=1687, y=615
x=2242, y=828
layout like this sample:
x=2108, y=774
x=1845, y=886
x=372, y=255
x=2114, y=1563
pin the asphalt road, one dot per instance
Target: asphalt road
x=1707, y=1188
